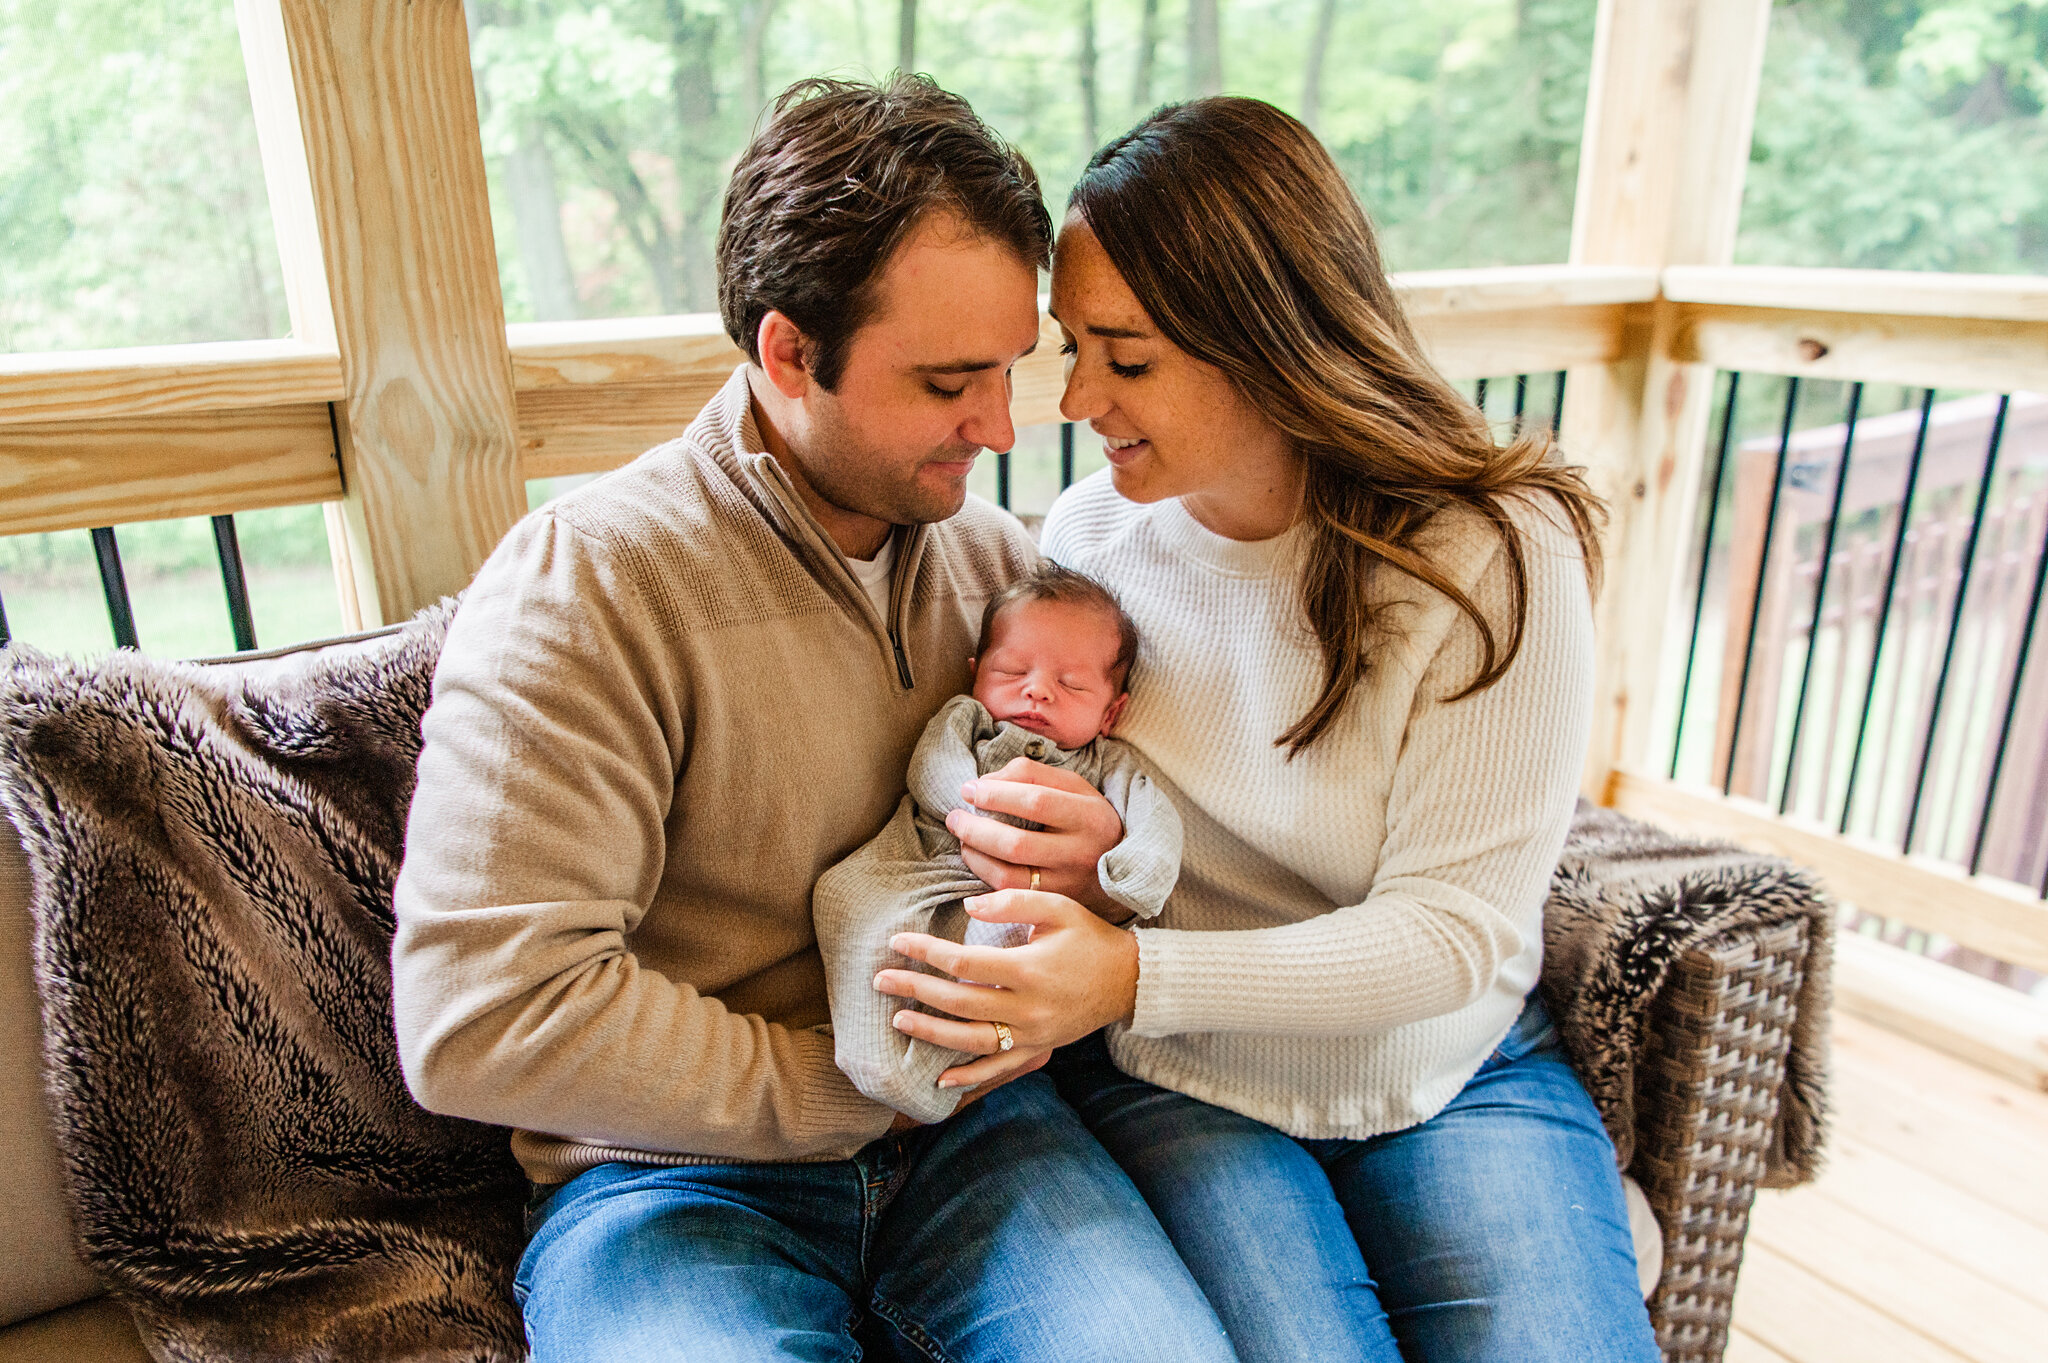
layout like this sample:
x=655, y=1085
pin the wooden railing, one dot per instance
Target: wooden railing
x=408, y=405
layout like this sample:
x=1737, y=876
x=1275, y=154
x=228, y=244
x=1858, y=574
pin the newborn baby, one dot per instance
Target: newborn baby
x=1049, y=676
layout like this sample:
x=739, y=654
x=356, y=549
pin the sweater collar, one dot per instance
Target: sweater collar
x=1191, y=540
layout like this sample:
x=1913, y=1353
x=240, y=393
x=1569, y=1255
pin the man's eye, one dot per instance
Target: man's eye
x=1068, y=348
x=946, y=392
x=1127, y=371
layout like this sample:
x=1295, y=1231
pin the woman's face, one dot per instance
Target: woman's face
x=1171, y=425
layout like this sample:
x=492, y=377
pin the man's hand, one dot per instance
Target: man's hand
x=1077, y=973
x=1079, y=826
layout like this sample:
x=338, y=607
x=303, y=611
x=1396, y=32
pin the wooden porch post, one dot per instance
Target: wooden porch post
x=366, y=114
x=1668, y=120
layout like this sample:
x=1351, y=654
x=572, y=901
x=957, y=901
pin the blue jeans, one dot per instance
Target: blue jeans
x=1005, y=1233
x=1496, y=1230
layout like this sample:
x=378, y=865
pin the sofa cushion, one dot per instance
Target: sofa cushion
x=213, y=849
x=99, y=1331
x=41, y=1270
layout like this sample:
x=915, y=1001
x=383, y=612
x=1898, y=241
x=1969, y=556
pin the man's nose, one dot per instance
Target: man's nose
x=989, y=425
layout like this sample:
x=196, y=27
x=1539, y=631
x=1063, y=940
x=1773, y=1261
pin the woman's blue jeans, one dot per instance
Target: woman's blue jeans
x=1004, y=1234
x=1494, y=1231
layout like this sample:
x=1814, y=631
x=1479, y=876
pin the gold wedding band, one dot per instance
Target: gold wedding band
x=1034, y=885
x=1004, y=1040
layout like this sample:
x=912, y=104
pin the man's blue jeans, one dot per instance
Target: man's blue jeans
x=1496, y=1230
x=1005, y=1234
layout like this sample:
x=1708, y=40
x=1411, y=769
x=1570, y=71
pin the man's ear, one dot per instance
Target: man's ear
x=1114, y=713
x=785, y=355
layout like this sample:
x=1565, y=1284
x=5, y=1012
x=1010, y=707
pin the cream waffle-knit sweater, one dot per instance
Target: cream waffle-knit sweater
x=1354, y=930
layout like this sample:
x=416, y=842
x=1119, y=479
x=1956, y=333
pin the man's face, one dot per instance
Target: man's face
x=926, y=386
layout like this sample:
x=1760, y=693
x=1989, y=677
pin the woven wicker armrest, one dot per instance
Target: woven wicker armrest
x=1707, y=1086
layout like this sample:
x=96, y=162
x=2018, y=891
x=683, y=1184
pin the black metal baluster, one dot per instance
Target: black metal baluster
x=1066, y=455
x=1955, y=621
x=235, y=582
x=6, y=637
x=1521, y=398
x=114, y=585
x=1763, y=564
x=1557, y=404
x=1884, y=604
x=1479, y=395
x=2012, y=700
x=1003, y=480
x=1820, y=598
x=1699, y=596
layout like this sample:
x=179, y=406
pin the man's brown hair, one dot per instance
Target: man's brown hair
x=841, y=174
x=1051, y=582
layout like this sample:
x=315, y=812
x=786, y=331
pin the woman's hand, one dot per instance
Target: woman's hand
x=1079, y=826
x=1076, y=974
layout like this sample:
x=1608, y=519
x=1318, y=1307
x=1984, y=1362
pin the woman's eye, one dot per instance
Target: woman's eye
x=1127, y=371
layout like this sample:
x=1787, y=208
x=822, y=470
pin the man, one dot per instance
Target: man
x=674, y=697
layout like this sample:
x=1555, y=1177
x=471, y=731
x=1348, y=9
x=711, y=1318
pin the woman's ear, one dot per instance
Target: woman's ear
x=1114, y=713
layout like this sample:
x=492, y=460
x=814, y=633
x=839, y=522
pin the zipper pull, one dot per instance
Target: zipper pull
x=902, y=661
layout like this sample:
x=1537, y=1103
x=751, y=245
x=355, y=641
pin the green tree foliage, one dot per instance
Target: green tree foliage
x=1898, y=135
x=132, y=209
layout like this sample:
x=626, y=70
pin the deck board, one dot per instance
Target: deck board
x=1926, y=1236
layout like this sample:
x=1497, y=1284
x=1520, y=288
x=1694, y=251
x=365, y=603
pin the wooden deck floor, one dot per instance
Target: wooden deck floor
x=1926, y=1240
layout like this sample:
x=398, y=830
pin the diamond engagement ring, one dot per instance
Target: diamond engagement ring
x=1004, y=1038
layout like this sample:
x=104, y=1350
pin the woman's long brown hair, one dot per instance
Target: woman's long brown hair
x=1233, y=227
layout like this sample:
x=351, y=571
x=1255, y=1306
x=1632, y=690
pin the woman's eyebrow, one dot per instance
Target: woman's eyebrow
x=1108, y=333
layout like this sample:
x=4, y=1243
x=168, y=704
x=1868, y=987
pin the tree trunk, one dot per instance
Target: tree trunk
x=700, y=175
x=1148, y=46
x=754, y=54
x=1205, y=48
x=1312, y=74
x=1091, y=123
x=537, y=215
x=906, y=35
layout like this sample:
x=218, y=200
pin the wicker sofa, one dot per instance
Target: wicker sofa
x=1706, y=1088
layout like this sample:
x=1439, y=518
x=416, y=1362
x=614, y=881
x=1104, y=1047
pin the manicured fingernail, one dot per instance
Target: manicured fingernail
x=972, y=903
x=949, y=1083
x=901, y=1022
x=969, y=791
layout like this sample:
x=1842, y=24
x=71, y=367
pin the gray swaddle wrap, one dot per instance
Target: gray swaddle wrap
x=910, y=878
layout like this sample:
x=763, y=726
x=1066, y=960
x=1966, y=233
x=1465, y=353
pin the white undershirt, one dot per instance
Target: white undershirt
x=873, y=574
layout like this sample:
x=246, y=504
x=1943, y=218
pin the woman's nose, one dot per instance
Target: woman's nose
x=1080, y=401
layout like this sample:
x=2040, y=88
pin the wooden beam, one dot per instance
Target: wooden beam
x=2009, y=298
x=400, y=222
x=1946, y=352
x=1989, y=1025
x=1994, y=916
x=81, y=385
x=1668, y=121
x=66, y=474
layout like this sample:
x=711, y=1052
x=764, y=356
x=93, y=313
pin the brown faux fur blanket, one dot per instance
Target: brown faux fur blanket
x=1627, y=901
x=213, y=851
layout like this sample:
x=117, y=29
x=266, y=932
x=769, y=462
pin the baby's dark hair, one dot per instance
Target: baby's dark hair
x=1050, y=582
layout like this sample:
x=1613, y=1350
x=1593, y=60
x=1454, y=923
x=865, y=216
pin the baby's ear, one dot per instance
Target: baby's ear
x=1114, y=713
x=970, y=667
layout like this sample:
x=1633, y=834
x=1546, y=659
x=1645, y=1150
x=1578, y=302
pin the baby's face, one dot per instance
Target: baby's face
x=1048, y=669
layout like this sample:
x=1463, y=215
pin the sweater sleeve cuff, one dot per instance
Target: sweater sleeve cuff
x=1172, y=994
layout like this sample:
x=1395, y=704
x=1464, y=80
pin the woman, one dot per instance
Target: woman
x=1367, y=674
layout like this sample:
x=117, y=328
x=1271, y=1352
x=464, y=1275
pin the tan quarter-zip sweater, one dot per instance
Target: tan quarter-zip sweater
x=665, y=706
